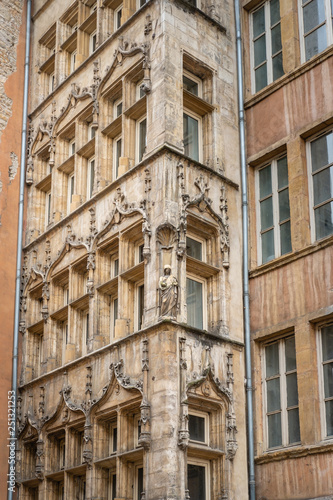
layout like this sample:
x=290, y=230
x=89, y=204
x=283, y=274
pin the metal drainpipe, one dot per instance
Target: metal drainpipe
x=248, y=365
x=20, y=219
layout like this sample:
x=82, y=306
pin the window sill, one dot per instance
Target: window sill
x=70, y=43
x=291, y=257
x=288, y=77
x=44, y=184
x=296, y=451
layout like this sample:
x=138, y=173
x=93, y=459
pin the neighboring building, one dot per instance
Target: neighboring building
x=12, y=38
x=289, y=114
x=132, y=381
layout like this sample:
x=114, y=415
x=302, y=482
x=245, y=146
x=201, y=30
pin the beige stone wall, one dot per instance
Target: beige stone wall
x=161, y=368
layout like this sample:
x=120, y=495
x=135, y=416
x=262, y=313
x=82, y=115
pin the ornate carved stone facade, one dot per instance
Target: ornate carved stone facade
x=130, y=172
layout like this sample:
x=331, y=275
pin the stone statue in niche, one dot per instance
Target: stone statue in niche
x=168, y=286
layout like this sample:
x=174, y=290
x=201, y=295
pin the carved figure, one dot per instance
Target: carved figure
x=169, y=293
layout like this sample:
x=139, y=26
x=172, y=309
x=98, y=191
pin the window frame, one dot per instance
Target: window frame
x=138, y=137
x=198, y=118
x=115, y=14
x=277, y=224
x=110, y=493
x=206, y=464
x=283, y=394
x=325, y=436
x=65, y=339
x=310, y=177
x=205, y=416
x=90, y=185
x=196, y=80
x=113, y=301
x=136, y=493
x=116, y=103
x=70, y=191
x=116, y=158
x=73, y=61
x=71, y=149
x=268, y=46
x=92, y=42
x=48, y=208
x=203, y=242
x=203, y=282
x=137, y=325
x=51, y=82
x=85, y=331
x=327, y=23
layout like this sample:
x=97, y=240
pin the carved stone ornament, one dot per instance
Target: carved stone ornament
x=129, y=49
x=203, y=203
x=124, y=380
x=168, y=287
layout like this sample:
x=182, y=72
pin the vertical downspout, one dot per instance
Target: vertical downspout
x=248, y=365
x=20, y=219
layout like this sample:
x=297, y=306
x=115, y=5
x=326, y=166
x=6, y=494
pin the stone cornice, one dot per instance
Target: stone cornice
x=118, y=182
x=292, y=257
x=163, y=325
x=296, y=452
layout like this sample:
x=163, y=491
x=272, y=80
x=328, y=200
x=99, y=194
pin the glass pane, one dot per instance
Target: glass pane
x=324, y=220
x=273, y=395
x=290, y=352
x=322, y=151
x=114, y=439
x=276, y=39
x=115, y=311
x=274, y=430
x=261, y=77
x=140, y=305
x=292, y=394
x=142, y=138
x=191, y=137
x=328, y=380
x=140, y=482
x=260, y=50
x=194, y=303
x=315, y=42
x=323, y=185
x=119, y=109
x=267, y=246
x=329, y=417
x=194, y=248
x=272, y=360
x=275, y=11
x=293, y=426
x=196, y=482
x=265, y=181
x=258, y=22
x=196, y=428
x=114, y=486
x=284, y=210
x=190, y=85
x=313, y=14
x=277, y=66
x=285, y=238
x=266, y=213
x=327, y=342
x=282, y=171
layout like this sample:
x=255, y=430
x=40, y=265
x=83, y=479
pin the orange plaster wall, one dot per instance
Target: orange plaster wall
x=304, y=101
x=292, y=291
x=9, y=199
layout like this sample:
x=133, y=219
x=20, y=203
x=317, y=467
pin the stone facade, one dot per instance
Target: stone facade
x=132, y=380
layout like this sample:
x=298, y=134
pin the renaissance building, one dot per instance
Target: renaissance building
x=132, y=375
x=132, y=382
